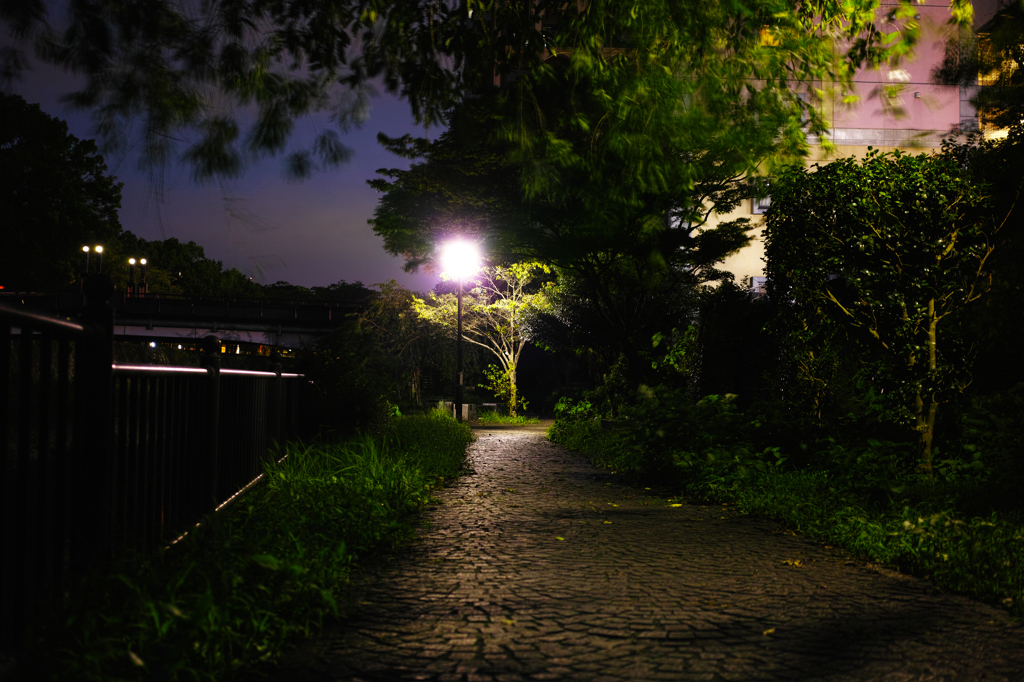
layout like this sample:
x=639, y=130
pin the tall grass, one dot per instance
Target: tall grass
x=235, y=591
x=492, y=417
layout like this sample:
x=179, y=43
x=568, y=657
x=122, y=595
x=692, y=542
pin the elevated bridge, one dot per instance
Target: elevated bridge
x=283, y=323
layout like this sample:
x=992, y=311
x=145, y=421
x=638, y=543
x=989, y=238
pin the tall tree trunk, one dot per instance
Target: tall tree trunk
x=414, y=386
x=513, y=398
x=927, y=406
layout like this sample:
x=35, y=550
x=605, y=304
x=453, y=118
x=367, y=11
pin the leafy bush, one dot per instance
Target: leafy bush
x=233, y=592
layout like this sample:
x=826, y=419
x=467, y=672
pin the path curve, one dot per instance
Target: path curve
x=537, y=566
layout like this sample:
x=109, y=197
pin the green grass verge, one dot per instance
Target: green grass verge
x=924, y=533
x=233, y=593
x=495, y=418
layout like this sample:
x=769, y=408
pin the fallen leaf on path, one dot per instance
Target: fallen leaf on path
x=558, y=538
x=608, y=523
x=675, y=505
x=768, y=631
x=793, y=562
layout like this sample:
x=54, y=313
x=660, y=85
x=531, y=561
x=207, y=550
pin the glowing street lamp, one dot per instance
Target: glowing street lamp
x=460, y=259
x=98, y=250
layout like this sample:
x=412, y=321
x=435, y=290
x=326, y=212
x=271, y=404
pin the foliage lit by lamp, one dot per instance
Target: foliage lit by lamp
x=460, y=260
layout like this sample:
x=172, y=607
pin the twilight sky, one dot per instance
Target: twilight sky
x=311, y=233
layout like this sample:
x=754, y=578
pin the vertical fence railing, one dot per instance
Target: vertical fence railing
x=98, y=456
x=186, y=440
x=54, y=514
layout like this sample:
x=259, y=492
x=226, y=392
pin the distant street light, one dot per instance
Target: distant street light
x=460, y=259
x=98, y=250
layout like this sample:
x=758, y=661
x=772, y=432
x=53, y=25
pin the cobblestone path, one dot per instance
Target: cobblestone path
x=539, y=567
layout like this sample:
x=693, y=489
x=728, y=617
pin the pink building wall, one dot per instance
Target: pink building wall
x=921, y=105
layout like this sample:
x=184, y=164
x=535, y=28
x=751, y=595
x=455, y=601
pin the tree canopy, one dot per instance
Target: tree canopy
x=56, y=196
x=186, y=73
x=619, y=129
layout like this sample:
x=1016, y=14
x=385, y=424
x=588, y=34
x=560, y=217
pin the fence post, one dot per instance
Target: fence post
x=211, y=361
x=93, y=470
x=276, y=406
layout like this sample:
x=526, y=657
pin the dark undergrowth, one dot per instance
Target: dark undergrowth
x=964, y=531
x=231, y=595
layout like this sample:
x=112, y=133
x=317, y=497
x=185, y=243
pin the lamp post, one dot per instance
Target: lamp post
x=460, y=259
x=143, y=287
x=85, y=269
x=131, y=276
x=98, y=250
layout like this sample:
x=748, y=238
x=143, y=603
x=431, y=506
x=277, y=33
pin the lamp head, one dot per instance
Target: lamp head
x=99, y=249
x=131, y=261
x=460, y=258
x=143, y=261
x=85, y=249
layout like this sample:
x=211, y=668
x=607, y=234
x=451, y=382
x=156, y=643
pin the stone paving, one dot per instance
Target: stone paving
x=537, y=566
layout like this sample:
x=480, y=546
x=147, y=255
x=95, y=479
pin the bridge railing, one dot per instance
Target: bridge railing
x=98, y=455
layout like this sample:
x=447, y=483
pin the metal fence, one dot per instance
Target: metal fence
x=98, y=456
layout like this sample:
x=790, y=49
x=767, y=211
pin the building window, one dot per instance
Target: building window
x=761, y=200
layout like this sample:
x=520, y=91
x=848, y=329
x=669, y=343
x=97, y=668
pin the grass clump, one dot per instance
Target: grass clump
x=233, y=592
x=862, y=493
x=491, y=417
